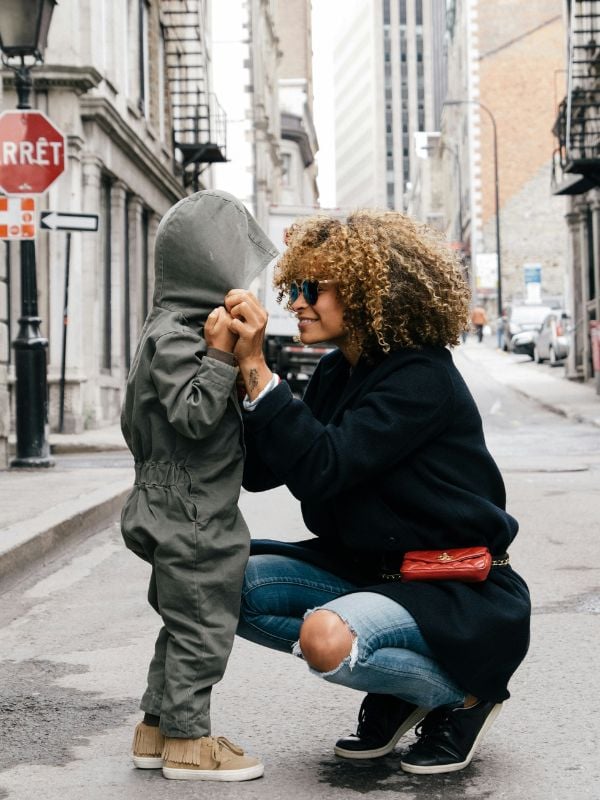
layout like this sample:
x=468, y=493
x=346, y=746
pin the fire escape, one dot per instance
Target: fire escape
x=576, y=163
x=199, y=122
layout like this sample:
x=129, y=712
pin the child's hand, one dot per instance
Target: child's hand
x=216, y=331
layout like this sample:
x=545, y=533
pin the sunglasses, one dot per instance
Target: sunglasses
x=309, y=289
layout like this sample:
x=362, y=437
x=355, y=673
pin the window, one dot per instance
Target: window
x=162, y=95
x=144, y=65
x=127, y=286
x=106, y=357
x=146, y=267
x=386, y=12
x=390, y=195
x=286, y=169
x=591, y=260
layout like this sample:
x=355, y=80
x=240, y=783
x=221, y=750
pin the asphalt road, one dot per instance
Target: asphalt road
x=76, y=635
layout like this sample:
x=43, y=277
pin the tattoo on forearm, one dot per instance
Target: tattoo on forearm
x=252, y=380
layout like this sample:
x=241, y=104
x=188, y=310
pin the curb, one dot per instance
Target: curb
x=567, y=413
x=64, y=448
x=568, y=410
x=29, y=541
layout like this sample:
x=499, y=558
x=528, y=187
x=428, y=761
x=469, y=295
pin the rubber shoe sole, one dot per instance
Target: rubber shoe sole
x=436, y=770
x=377, y=752
x=245, y=774
x=147, y=762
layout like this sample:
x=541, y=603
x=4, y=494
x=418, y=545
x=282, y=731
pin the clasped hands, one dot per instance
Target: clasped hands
x=238, y=327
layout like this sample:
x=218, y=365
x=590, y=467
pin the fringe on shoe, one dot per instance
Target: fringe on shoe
x=182, y=751
x=147, y=740
x=189, y=751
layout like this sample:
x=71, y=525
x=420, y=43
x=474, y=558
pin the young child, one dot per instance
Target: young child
x=182, y=422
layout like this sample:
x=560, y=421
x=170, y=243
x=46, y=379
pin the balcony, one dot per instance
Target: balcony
x=199, y=122
x=576, y=160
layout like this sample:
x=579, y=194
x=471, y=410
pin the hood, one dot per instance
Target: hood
x=207, y=244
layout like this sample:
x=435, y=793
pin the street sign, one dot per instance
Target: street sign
x=65, y=221
x=17, y=218
x=32, y=152
x=533, y=282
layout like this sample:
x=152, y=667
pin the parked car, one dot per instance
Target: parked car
x=523, y=343
x=526, y=317
x=552, y=341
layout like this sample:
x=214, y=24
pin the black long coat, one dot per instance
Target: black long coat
x=391, y=457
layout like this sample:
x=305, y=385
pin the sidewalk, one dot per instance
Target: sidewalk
x=86, y=489
x=540, y=382
x=40, y=509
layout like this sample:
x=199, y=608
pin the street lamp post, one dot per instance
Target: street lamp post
x=496, y=191
x=454, y=153
x=24, y=28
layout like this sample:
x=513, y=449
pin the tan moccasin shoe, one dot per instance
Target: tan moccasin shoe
x=148, y=743
x=210, y=758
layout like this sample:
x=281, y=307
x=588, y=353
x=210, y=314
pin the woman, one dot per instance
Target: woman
x=386, y=454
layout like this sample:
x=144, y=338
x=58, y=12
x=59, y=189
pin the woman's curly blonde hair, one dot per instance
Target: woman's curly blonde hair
x=399, y=283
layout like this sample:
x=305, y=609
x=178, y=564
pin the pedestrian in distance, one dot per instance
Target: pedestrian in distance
x=182, y=422
x=478, y=320
x=387, y=456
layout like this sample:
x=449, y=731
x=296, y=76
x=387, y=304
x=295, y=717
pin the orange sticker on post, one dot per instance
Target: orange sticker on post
x=17, y=217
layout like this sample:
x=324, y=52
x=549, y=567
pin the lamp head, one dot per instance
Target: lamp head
x=24, y=27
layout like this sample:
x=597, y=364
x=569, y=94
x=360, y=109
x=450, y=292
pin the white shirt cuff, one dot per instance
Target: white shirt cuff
x=250, y=405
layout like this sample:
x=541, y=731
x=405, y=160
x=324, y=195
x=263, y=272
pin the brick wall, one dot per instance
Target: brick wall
x=520, y=71
x=533, y=231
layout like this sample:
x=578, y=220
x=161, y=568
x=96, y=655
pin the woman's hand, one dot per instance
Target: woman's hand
x=248, y=322
x=217, y=332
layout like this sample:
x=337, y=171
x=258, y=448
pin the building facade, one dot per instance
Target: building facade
x=246, y=55
x=128, y=84
x=389, y=79
x=298, y=143
x=576, y=178
x=142, y=90
x=492, y=123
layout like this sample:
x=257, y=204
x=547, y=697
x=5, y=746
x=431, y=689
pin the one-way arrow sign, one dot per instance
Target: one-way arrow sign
x=59, y=221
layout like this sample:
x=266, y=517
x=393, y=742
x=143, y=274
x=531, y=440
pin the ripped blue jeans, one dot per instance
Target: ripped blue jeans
x=389, y=654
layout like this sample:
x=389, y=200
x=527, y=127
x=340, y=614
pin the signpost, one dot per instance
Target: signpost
x=32, y=156
x=66, y=221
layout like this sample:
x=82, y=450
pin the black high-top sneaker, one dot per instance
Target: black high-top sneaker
x=448, y=737
x=382, y=720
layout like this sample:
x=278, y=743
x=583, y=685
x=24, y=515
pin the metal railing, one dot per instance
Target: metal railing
x=577, y=127
x=199, y=122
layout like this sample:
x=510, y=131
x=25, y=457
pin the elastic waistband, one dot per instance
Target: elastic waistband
x=161, y=473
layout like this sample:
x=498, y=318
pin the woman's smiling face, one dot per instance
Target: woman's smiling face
x=324, y=320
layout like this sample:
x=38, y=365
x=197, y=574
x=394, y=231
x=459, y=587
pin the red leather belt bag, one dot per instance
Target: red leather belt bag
x=466, y=564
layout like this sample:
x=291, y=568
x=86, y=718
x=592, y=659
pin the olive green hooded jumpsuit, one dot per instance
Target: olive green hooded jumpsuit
x=182, y=423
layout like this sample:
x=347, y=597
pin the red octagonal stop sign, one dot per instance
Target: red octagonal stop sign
x=32, y=152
